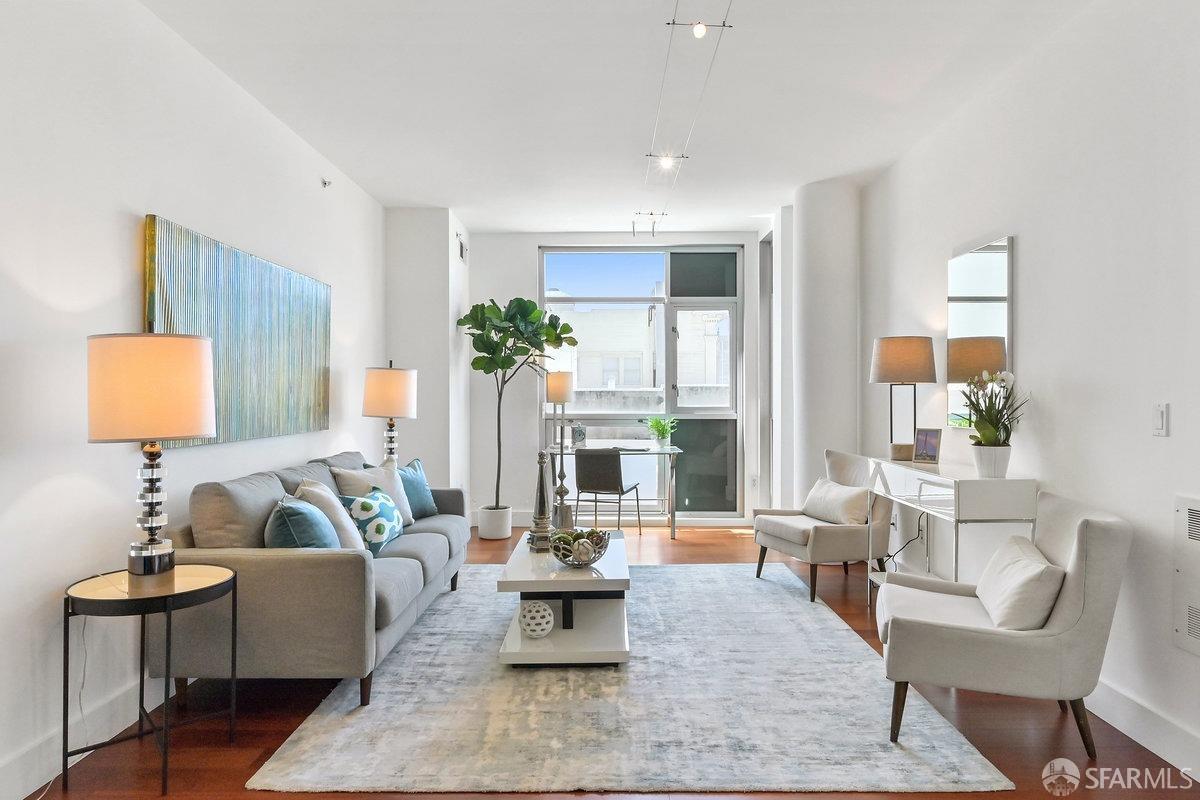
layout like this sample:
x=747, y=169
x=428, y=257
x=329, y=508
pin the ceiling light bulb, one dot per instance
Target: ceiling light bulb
x=666, y=162
x=699, y=29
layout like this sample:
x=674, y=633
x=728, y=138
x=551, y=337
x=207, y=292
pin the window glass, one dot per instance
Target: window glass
x=619, y=364
x=981, y=273
x=704, y=274
x=707, y=470
x=703, y=356
x=621, y=273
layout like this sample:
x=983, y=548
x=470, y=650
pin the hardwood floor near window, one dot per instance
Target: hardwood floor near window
x=1019, y=736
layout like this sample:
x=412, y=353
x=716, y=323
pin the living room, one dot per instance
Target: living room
x=627, y=398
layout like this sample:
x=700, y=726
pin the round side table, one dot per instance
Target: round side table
x=119, y=594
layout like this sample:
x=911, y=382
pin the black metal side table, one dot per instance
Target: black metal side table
x=114, y=595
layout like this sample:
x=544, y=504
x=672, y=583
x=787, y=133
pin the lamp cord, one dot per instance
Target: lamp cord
x=892, y=556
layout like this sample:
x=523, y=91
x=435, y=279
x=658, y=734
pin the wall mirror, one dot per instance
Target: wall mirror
x=979, y=319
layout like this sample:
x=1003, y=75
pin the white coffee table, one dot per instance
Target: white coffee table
x=589, y=608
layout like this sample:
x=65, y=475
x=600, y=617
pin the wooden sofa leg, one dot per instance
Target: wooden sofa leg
x=1085, y=730
x=899, y=694
x=181, y=687
x=454, y=582
x=364, y=690
x=762, y=556
x=1062, y=706
x=812, y=583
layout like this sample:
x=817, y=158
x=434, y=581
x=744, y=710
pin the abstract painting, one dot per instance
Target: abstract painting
x=269, y=326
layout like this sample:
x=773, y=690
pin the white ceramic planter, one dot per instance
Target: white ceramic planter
x=991, y=462
x=663, y=444
x=495, y=523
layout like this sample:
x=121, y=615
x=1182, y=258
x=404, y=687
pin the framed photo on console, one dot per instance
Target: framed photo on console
x=928, y=446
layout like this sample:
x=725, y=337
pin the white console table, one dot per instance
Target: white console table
x=952, y=492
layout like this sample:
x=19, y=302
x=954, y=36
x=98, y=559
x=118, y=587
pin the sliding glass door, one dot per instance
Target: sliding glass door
x=659, y=334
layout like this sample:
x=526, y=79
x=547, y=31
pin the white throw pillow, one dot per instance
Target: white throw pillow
x=323, y=498
x=1019, y=586
x=832, y=502
x=359, y=482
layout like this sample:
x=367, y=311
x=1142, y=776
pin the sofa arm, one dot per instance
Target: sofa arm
x=776, y=512
x=1021, y=663
x=302, y=613
x=928, y=583
x=450, y=501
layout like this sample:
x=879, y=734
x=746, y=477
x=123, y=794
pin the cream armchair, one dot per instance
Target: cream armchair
x=815, y=541
x=938, y=632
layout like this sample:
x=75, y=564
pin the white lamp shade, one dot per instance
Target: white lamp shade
x=390, y=392
x=969, y=356
x=560, y=387
x=903, y=359
x=150, y=387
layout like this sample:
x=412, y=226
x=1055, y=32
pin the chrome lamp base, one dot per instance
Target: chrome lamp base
x=151, y=558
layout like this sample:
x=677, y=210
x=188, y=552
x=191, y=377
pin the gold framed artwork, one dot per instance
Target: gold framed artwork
x=269, y=326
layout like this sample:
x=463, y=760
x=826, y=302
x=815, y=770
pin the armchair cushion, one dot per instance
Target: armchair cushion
x=832, y=502
x=1019, y=586
x=794, y=528
x=896, y=600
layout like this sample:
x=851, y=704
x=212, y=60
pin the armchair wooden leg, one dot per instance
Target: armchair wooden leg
x=1085, y=730
x=181, y=687
x=879, y=563
x=364, y=690
x=762, y=556
x=845, y=567
x=812, y=583
x=899, y=694
x=454, y=582
x=1062, y=706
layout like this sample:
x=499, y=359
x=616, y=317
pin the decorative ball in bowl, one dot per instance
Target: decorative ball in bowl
x=579, y=548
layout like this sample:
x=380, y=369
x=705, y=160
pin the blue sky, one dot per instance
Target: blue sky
x=622, y=274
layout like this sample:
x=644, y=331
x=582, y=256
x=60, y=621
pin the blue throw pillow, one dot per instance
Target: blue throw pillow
x=376, y=517
x=416, y=489
x=295, y=523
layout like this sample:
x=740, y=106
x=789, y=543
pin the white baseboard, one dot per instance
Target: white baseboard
x=1164, y=737
x=24, y=771
x=524, y=518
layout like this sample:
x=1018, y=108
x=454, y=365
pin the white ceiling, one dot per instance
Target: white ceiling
x=535, y=115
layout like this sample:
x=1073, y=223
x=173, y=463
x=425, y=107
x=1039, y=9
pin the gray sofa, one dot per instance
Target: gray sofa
x=304, y=613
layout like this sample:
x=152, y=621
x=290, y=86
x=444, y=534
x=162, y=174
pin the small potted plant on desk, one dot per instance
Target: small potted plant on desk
x=661, y=429
x=994, y=410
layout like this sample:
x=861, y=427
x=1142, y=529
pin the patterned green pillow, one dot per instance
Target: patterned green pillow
x=376, y=517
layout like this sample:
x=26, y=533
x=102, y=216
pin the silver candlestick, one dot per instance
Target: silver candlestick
x=539, y=534
x=563, y=516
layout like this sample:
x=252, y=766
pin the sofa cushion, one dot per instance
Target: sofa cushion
x=331, y=506
x=455, y=528
x=1019, y=586
x=431, y=549
x=350, y=459
x=794, y=528
x=295, y=523
x=292, y=477
x=909, y=603
x=832, y=502
x=234, y=513
x=376, y=517
x=358, y=482
x=397, y=582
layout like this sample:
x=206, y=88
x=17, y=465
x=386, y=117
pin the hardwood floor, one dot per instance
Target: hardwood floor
x=1018, y=736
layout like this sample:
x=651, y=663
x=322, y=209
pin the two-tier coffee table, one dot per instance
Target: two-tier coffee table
x=590, y=627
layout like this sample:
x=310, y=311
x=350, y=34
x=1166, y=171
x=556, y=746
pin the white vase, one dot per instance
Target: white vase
x=663, y=444
x=495, y=523
x=991, y=462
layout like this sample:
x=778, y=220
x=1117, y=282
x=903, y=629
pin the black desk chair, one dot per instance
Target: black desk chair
x=598, y=472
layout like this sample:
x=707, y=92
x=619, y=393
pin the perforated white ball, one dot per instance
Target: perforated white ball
x=536, y=619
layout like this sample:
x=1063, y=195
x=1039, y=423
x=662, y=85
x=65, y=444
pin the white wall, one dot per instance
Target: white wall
x=108, y=115
x=1088, y=152
x=426, y=294
x=505, y=265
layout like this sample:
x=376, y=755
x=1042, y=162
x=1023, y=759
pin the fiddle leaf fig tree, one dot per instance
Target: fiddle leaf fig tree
x=506, y=341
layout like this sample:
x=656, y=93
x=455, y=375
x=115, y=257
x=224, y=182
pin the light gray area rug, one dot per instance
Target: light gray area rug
x=734, y=684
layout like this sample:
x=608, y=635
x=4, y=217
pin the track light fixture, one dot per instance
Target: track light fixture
x=699, y=29
x=666, y=161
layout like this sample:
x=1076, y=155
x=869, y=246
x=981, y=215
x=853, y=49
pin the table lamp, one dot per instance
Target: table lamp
x=390, y=392
x=902, y=361
x=970, y=356
x=150, y=388
x=560, y=390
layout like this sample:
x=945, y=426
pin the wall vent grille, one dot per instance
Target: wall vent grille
x=1185, y=606
x=1193, y=524
x=1193, y=622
